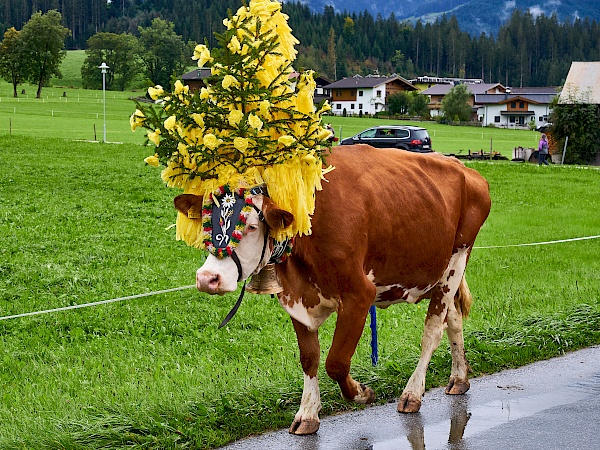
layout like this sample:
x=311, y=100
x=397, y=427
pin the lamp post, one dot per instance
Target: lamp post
x=104, y=68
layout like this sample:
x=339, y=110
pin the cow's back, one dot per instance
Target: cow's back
x=394, y=215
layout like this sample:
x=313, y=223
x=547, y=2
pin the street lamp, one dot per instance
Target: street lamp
x=104, y=68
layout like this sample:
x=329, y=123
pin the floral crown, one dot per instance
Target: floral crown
x=250, y=124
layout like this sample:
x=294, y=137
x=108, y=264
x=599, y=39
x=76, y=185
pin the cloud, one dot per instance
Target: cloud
x=536, y=11
x=507, y=9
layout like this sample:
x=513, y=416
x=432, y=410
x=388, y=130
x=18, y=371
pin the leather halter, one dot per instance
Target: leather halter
x=236, y=259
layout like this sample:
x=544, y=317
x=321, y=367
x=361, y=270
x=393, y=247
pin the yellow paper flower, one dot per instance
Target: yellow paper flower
x=286, y=140
x=234, y=45
x=170, y=123
x=199, y=119
x=229, y=81
x=241, y=144
x=180, y=88
x=255, y=122
x=235, y=116
x=156, y=92
x=202, y=55
x=211, y=141
x=136, y=120
x=154, y=136
x=152, y=160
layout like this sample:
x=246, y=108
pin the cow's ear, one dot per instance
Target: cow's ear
x=276, y=217
x=190, y=205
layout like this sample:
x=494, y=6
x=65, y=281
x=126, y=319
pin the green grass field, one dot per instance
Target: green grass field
x=69, y=112
x=83, y=222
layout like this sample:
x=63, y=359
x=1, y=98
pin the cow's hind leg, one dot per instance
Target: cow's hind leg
x=459, y=382
x=441, y=308
x=348, y=330
x=306, y=420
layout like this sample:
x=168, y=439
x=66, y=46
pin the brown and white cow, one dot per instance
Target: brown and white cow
x=389, y=226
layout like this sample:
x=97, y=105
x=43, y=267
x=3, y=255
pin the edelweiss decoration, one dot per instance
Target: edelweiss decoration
x=254, y=122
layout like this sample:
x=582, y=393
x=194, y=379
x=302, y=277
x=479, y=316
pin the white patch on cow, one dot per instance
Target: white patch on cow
x=310, y=406
x=434, y=325
x=248, y=252
x=313, y=317
x=412, y=294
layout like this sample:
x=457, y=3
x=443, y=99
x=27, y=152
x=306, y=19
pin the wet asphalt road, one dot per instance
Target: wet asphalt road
x=551, y=404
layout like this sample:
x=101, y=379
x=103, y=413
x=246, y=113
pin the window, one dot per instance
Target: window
x=496, y=118
x=513, y=105
x=522, y=105
x=360, y=106
x=360, y=93
x=352, y=106
x=338, y=93
x=378, y=93
x=338, y=106
x=513, y=119
x=353, y=93
x=541, y=119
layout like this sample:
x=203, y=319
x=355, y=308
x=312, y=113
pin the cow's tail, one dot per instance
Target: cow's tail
x=463, y=298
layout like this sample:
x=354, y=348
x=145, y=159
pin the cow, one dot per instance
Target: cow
x=389, y=226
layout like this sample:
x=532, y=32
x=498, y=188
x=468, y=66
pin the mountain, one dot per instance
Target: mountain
x=474, y=16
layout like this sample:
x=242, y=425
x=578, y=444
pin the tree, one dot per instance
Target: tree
x=418, y=105
x=398, y=103
x=118, y=51
x=43, y=39
x=163, y=53
x=456, y=104
x=577, y=118
x=11, y=58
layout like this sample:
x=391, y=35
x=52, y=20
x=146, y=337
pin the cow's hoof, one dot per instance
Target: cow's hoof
x=409, y=404
x=365, y=396
x=304, y=427
x=456, y=386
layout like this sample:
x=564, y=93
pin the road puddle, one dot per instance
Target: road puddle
x=465, y=421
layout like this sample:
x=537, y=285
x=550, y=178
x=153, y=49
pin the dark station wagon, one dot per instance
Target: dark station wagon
x=411, y=138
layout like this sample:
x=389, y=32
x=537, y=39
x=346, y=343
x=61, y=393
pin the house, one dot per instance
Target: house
x=583, y=79
x=425, y=82
x=516, y=108
x=365, y=95
x=195, y=80
x=437, y=92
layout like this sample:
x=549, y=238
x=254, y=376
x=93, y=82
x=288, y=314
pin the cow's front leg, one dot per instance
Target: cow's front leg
x=306, y=420
x=348, y=330
x=410, y=401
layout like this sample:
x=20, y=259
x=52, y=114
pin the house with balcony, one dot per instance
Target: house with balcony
x=364, y=95
x=437, y=93
x=516, y=108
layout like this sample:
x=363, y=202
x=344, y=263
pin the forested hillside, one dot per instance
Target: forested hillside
x=527, y=51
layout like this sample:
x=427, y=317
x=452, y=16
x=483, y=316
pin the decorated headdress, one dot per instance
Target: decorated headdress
x=248, y=126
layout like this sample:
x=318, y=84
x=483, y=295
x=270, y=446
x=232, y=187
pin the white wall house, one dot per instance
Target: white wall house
x=364, y=95
x=519, y=108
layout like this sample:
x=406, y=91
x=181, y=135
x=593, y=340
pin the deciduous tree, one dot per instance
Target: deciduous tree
x=456, y=104
x=11, y=58
x=163, y=52
x=119, y=52
x=43, y=40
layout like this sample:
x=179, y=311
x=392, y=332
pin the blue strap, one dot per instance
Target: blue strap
x=374, y=348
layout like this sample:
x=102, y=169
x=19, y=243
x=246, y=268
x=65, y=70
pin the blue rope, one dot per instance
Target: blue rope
x=374, y=348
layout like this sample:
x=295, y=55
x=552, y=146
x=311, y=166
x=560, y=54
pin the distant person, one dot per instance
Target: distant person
x=543, y=150
x=330, y=128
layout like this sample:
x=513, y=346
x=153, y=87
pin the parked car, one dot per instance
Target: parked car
x=404, y=137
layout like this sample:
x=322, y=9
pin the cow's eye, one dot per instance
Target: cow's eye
x=251, y=228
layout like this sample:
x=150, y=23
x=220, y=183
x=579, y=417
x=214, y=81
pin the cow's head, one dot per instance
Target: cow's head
x=236, y=227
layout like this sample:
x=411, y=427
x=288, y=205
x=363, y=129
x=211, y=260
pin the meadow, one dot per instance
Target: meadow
x=82, y=222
